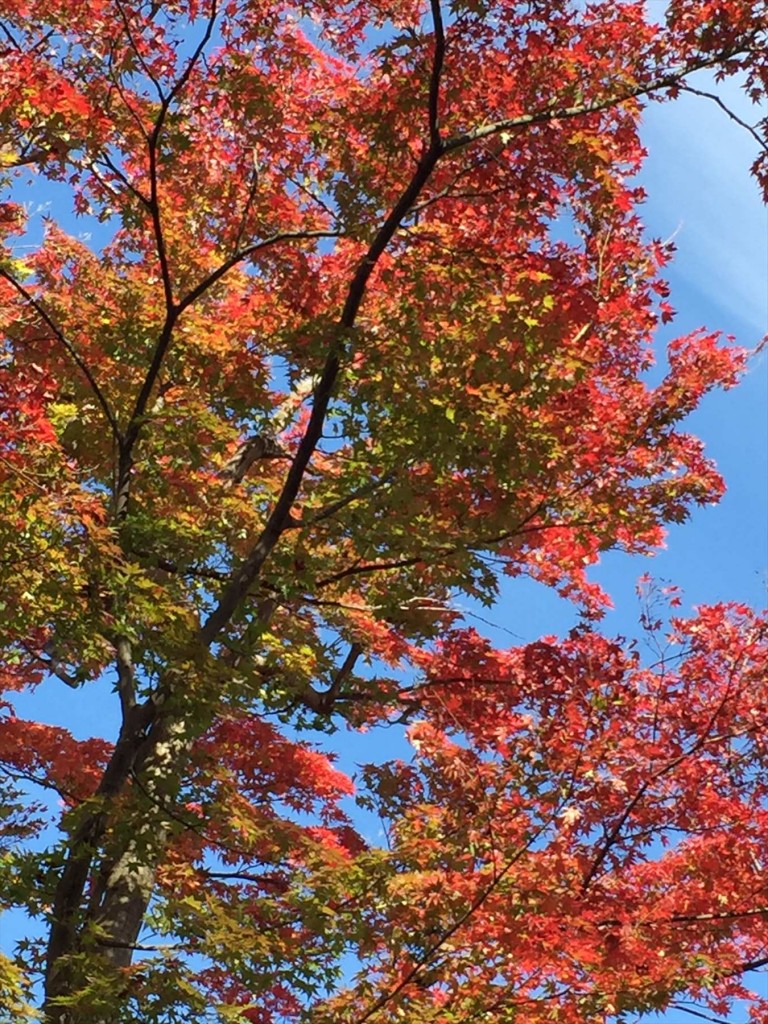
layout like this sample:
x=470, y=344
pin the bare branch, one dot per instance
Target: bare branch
x=19, y=775
x=252, y=190
x=189, y=298
x=325, y=207
x=164, y=341
x=365, y=568
x=10, y=37
x=112, y=166
x=163, y=948
x=153, y=145
x=733, y=116
x=244, y=876
x=137, y=51
x=697, y=1013
x=184, y=77
x=177, y=569
x=115, y=79
x=613, y=835
x=145, y=393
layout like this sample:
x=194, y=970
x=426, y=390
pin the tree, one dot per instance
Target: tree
x=364, y=323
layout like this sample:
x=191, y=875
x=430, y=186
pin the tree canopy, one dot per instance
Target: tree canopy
x=365, y=321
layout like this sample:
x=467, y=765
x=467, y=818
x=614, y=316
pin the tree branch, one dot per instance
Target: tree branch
x=115, y=80
x=673, y=80
x=154, y=140
x=613, y=835
x=749, y=965
x=243, y=254
x=244, y=577
x=137, y=51
x=176, y=569
x=126, y=686
x=364, y=568
x=127, y=183
x=172, y=310
x=44, y=315
x=252, y=189
x=238, y=588
x=361, y=492
x=322, y=701
x=19, y=775
x=697, y=1013
x=734, y=117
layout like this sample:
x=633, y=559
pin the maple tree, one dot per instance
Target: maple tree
x=364, y=322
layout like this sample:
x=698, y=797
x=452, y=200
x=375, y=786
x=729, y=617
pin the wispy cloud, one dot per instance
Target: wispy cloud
x=701, y=192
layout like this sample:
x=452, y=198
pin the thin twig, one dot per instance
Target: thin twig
x=697, y=1013
x=733, y=116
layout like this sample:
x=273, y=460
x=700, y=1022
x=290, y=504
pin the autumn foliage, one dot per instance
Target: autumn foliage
x=358, y=317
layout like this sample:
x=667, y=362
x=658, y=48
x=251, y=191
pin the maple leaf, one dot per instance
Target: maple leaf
x=326, y=365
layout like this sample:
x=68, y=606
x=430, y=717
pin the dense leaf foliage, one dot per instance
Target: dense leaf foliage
x=358, y=317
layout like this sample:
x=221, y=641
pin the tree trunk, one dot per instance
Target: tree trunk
x=120, y=873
